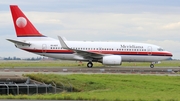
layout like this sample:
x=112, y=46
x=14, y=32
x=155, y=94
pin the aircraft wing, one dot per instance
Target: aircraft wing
x=19, y=42
x=85, y=54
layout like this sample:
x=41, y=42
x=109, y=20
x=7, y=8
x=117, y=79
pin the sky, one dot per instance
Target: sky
x=148, y=21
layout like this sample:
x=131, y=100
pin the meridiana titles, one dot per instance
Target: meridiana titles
x=131, y=46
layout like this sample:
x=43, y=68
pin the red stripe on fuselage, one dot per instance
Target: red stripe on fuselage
x=102, y=52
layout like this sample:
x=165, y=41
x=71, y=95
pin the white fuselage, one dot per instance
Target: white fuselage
x=129, y=51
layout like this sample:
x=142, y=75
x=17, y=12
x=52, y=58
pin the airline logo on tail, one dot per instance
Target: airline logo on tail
x=21, y=22
x=23, y=27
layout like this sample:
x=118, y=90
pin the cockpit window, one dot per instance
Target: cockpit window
x=160, y=49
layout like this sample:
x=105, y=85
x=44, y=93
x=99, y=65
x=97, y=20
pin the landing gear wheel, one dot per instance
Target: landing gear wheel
x=152, y=65
x=89, y=64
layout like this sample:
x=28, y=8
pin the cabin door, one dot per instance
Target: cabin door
x=44, y=48
x=149, y=50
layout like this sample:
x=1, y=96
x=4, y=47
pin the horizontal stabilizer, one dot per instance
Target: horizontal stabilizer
x=18, y=42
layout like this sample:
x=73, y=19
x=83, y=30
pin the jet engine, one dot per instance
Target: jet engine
x=111, y=60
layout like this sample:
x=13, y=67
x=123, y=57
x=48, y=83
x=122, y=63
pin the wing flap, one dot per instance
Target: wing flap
x=18, y=42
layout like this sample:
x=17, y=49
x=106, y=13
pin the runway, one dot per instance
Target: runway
x=83, y=70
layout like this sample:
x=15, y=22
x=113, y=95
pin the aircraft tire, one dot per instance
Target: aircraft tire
x=89, y=64
x=152, y=65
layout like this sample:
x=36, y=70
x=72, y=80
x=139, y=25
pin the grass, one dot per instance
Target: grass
x=108, y=87
x=49, y=64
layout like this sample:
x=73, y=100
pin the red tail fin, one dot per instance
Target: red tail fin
x=23, y=26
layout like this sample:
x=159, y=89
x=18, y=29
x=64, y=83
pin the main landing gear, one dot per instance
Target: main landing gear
x=152, y=65
x=89, y=64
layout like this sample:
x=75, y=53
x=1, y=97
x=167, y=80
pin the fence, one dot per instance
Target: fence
x=17, y=86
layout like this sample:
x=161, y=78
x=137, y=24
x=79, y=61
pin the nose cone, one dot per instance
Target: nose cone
x=169, y=54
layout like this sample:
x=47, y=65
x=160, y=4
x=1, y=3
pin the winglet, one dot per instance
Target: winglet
x=63, y=44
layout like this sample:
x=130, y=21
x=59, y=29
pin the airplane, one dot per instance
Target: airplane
x=107, y=53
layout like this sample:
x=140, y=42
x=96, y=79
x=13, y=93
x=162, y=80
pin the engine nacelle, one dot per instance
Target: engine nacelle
x=111, y=60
